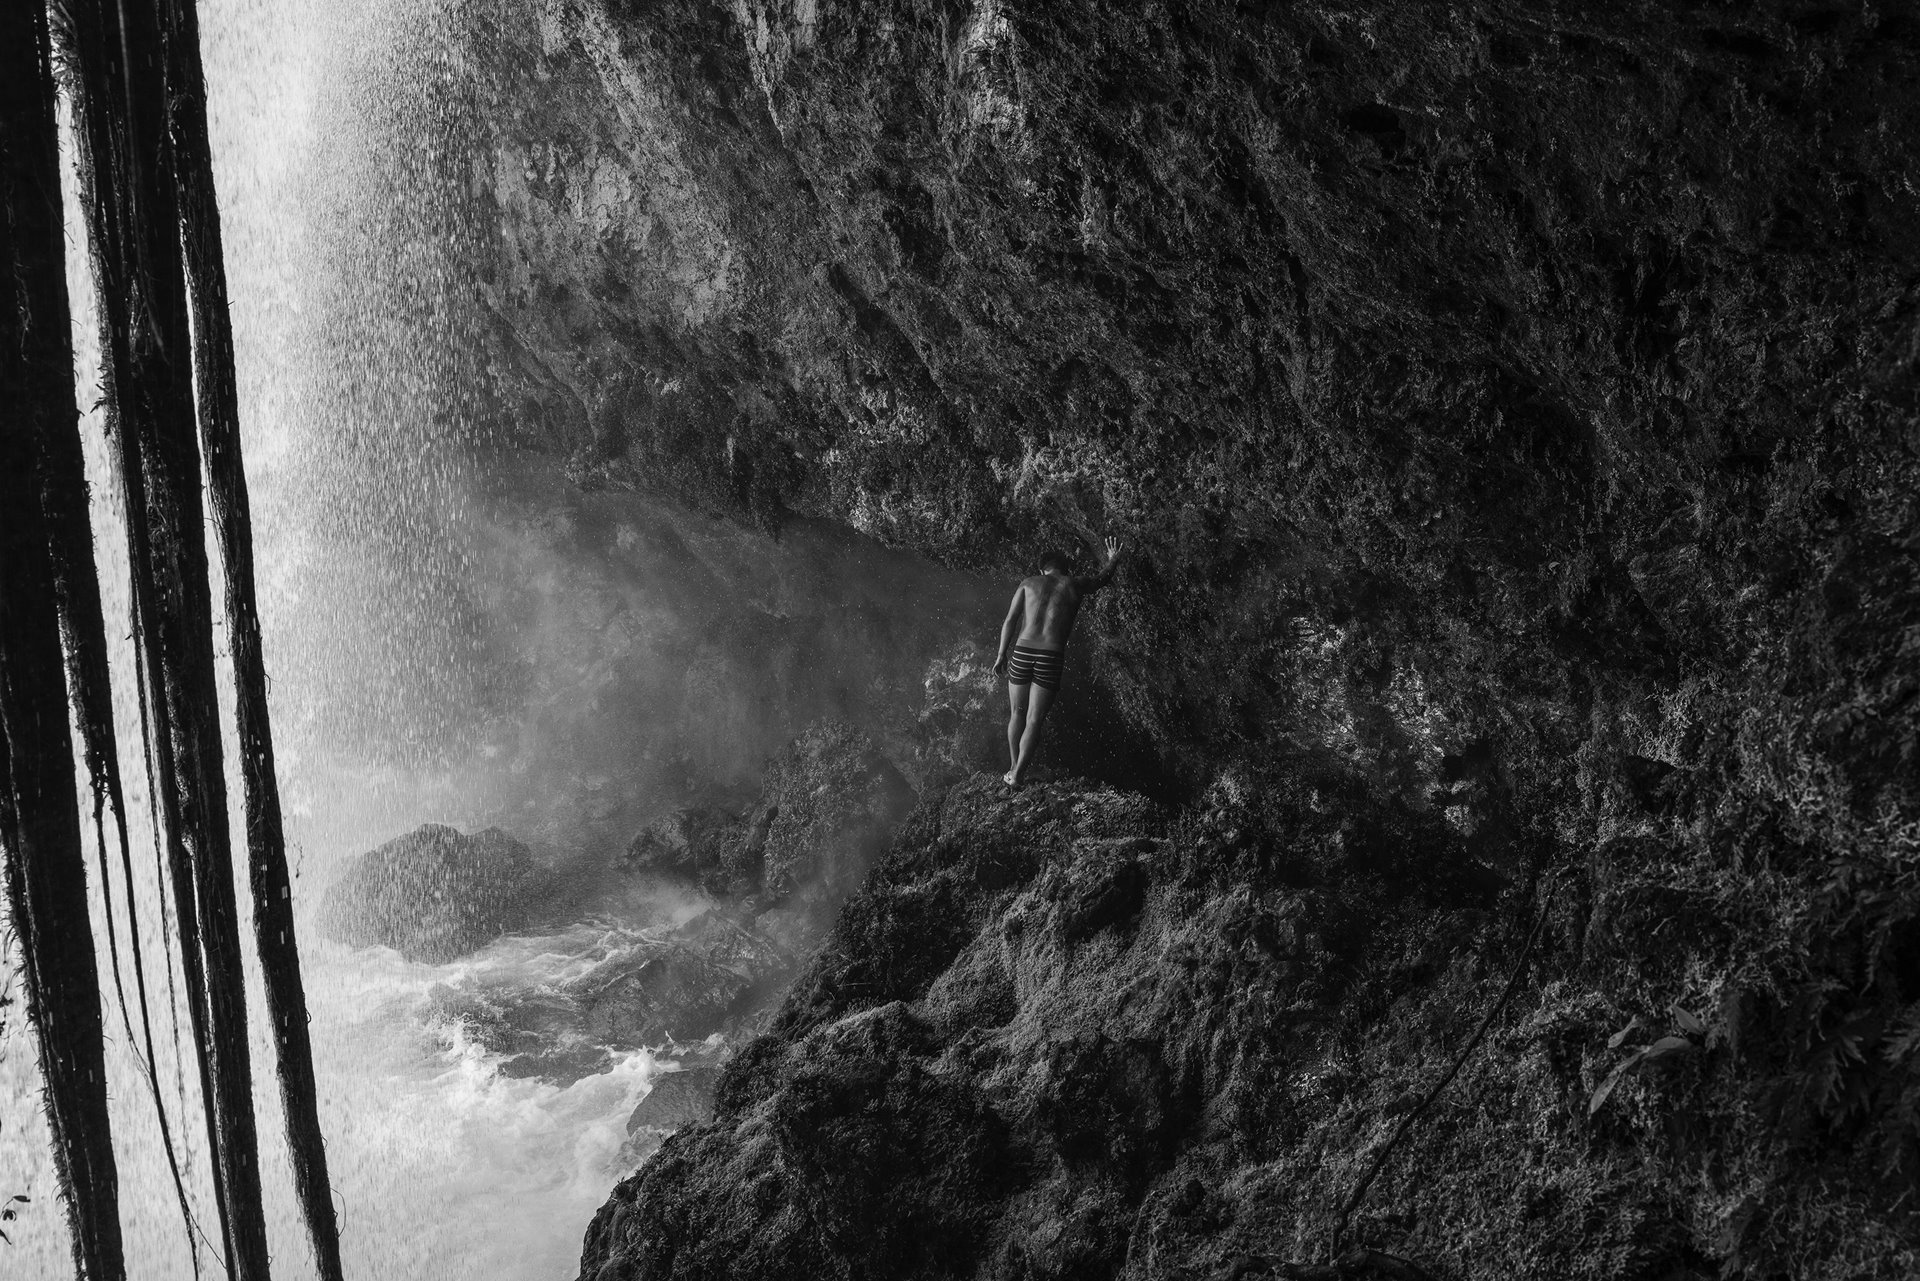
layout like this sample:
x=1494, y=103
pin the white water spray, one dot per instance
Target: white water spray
x=323, y=124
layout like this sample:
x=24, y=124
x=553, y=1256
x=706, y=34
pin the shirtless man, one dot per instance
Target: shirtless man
x=1033, y=643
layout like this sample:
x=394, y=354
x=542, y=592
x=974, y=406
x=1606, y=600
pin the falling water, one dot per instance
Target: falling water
x=356, y=390
x=452, y=634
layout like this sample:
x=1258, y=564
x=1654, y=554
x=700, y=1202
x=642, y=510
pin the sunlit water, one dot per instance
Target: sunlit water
x=338, y=240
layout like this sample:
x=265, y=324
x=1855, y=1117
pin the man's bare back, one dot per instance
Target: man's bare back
x=1048, y=605
x=1033, y=641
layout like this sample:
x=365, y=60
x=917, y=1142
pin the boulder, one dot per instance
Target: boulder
x=435, y=895
x=688, y=844
x=675, y=1099
x=677, y=994
x=700, y=981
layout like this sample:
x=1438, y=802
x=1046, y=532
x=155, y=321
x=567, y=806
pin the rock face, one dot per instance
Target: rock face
x=961, y=728
x=1421, y=357
x=830, y=802
x=675, y=1099
x=435, y=895
x=686, y=845
x=830, y=805
x=1512, y=411
x=1066, y=1033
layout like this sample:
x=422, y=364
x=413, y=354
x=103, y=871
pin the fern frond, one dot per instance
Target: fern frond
x=1903, y=1037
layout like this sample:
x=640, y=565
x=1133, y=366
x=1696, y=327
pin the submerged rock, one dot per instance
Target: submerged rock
x=614, y=990
x=435, y=894
x=702, y=979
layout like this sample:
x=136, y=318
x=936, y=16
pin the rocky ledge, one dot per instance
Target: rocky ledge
x=1066, y=1032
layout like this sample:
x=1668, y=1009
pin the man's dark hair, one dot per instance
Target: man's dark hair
x=1050, y=561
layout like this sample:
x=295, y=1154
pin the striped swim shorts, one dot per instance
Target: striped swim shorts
x=1035, y=667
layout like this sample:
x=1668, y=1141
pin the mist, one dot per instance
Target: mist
x=458, y=631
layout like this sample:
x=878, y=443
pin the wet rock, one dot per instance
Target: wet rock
x=505, y=1016
x=831, y=803
x=961, y=728
x=1512, y=413
x=629, y=989
x=699, y=980
x=678, y=994
x=675, y=1099
x=689, y=845
x=560, y=1066
x=435, y=894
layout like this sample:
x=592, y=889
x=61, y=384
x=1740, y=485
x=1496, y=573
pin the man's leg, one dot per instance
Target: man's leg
x=1016, y=723
x=1040, y=700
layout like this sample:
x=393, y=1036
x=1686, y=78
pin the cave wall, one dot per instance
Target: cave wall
x=1459, y=379
x=1511, y=408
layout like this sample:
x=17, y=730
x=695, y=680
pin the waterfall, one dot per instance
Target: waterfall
x=356, y=395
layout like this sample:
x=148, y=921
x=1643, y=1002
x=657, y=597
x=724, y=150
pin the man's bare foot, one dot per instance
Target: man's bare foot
x=1009, y=779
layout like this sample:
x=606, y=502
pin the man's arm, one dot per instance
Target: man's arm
x=1095, y=582
x=1010, y=630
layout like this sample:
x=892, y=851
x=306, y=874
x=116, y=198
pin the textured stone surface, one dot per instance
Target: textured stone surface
x=1067, y=1032
x=961, y=726
x=435, y=894
x=674, y=1099
x=1425, y=358
x=831, y=803
x=686, y=845
x=1513, y=409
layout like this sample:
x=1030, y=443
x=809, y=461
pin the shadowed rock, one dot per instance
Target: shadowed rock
x=687, y=845
x=961, y=726
x=832, y=802
x=675, y=1099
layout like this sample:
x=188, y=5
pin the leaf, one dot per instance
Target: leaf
x=1620, y=1069
x=1619, y=1038
x=1904, y=1037
x=1691, y=1024
x=1668, y=1045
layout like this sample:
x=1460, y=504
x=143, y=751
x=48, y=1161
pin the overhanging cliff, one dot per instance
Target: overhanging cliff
x=1512, y=408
